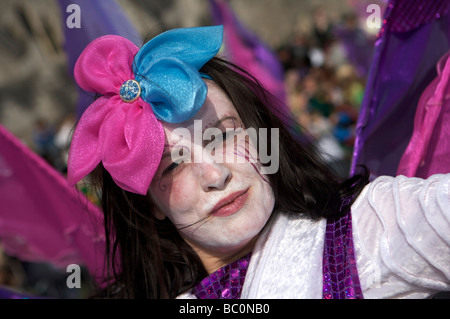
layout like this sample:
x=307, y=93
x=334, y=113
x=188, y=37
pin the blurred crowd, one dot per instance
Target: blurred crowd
x=52, y=142
x=324, y=85
x=25, y=279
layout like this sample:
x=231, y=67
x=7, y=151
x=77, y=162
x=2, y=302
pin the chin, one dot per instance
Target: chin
x=230, y=247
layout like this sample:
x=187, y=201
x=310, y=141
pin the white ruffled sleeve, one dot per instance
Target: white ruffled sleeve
x=401, y=229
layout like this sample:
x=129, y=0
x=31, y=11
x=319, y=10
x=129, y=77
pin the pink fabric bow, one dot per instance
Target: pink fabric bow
x=112, y=131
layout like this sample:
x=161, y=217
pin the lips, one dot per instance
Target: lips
x=230, y=204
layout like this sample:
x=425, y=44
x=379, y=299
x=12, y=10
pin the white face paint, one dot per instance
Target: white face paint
x=219, y=206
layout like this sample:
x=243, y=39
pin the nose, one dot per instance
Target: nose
x=212, y=175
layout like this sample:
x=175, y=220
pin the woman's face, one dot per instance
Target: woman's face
x=212, y=189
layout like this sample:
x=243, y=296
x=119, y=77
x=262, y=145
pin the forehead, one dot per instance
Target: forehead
x=216, y=106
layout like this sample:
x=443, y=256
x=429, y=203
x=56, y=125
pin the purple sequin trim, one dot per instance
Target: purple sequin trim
x=224, y=283
x=406, y=15
x=340, y=276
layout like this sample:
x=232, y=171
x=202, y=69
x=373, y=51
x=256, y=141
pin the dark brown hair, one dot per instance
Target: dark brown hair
x=152, y=260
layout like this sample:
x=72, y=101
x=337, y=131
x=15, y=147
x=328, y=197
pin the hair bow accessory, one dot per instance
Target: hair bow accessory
x=139, y=88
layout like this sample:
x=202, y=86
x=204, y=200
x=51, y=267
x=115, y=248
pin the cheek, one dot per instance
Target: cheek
x=246, y=150
x=270, y=199
x=174, y=198
x=264, y=196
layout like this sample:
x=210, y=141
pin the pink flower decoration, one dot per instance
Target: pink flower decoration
x=125, y=136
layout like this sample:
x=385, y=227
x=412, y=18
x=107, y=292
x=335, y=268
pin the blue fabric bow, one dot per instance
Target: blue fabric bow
x=167, y=69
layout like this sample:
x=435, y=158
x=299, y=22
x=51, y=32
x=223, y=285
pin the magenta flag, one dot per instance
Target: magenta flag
x=41, y=218
x=245, y=49
x=428, y=151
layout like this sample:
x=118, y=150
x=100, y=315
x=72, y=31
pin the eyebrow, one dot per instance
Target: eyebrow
x=216, y=123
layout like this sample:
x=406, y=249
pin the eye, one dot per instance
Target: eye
x=224, y=136
x=172, y=167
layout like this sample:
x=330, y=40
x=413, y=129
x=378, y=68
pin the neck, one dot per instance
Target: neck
x=213, y=260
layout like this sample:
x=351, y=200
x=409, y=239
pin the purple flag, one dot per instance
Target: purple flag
x=414, y=36
x=97, y=18
x=358, y=47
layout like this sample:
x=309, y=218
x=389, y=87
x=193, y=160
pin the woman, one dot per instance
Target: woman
x=192, y=217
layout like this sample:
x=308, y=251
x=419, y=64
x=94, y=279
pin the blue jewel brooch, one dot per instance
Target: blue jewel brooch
x=130, y=91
